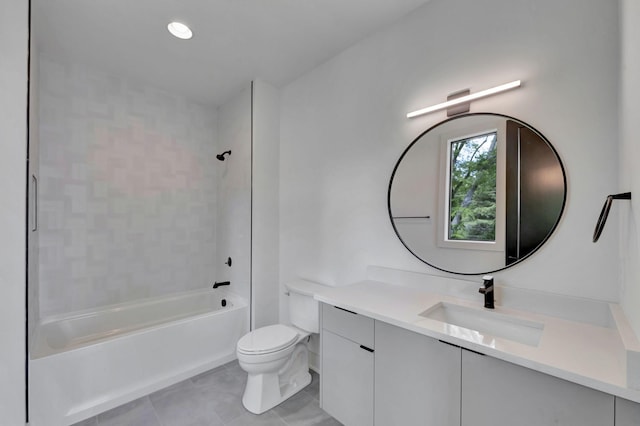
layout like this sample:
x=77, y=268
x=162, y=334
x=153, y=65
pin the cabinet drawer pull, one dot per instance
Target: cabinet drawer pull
x=34, y=208
x=346, y=310
x=366, y=348
x=447, y=343
x=474, y=352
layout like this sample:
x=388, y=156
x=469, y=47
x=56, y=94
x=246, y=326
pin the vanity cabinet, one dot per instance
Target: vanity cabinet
x=417, y=379
x=627, y=412
x=347, y=366
x=496, y=392
x=377, y=373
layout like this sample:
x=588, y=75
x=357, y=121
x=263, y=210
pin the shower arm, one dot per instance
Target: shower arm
x=221, y=156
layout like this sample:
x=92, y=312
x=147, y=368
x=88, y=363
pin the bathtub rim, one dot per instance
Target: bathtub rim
x=39, y=347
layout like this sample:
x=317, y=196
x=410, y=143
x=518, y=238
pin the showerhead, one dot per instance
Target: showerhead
x=221, y=156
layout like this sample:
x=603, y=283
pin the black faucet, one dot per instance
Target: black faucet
x=221, y=283
x=488, y=292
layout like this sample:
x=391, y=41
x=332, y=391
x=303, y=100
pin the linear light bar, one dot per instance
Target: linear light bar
x=467, y=98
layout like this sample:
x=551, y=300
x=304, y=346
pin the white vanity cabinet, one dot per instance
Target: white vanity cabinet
x=417, y=379
x=627, y=413
x=347, y=366
x=377, y=373
x=496, y=392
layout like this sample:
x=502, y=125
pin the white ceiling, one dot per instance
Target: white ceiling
x=235, y=41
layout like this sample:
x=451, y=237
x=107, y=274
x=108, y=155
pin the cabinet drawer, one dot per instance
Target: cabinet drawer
x=350, y=325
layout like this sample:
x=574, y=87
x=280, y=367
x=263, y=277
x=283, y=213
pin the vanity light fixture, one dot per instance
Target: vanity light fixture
x=180, y=30
x=467, y=98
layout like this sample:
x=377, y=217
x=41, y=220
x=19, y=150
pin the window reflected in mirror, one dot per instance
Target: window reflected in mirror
x=472, y=188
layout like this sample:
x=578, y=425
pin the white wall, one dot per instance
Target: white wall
x=14, y=46
x=343, y=127
x=127, y=190
x=234, y=193
x=265, y=219
x=629, y=151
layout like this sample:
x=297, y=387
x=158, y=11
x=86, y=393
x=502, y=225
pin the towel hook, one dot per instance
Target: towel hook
x=604, y=213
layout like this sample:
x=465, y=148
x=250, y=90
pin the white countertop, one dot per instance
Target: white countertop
x=587, y=354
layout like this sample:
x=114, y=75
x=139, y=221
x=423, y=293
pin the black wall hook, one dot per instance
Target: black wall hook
x=604, y=213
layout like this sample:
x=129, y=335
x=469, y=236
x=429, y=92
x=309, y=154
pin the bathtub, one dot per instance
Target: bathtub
x=91, y=361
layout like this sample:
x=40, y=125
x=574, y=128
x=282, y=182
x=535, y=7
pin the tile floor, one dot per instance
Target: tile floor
x=214, y=398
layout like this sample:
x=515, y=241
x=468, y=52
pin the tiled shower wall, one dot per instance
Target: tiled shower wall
x=127, y=190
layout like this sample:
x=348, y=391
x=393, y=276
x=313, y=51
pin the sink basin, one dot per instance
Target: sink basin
x=478, y=325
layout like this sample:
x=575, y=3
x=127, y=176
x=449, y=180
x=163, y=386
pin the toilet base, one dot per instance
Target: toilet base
x=265, y=391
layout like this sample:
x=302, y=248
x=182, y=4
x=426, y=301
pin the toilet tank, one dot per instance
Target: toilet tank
x=303, y=308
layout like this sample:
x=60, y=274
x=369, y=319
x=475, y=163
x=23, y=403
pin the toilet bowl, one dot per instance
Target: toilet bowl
x=276, y=357
x=276, y=361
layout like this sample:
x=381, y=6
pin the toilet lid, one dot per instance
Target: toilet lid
x=267, y=339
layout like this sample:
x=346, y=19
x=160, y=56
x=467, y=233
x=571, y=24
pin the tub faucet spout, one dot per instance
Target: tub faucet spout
x=218, y=284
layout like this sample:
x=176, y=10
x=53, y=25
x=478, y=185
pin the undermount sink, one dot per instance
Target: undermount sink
x=477, y=325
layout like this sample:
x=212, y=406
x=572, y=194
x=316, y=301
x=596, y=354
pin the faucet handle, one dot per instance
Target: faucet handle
x=488, y=283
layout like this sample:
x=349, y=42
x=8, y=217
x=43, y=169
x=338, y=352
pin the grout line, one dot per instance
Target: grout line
x=278, y=416
x=153, y=407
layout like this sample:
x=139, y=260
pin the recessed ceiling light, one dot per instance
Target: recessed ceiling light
x=180, y=30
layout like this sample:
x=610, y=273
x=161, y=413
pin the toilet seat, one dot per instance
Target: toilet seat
x=264, y=340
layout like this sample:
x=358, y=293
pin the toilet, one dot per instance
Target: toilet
x=275, y=357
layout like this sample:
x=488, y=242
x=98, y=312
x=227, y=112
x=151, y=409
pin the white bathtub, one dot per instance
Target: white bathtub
x=91, y=361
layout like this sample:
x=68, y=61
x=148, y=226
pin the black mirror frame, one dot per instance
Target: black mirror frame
x=546, y=238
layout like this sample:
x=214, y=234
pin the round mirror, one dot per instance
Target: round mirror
x=477, y=193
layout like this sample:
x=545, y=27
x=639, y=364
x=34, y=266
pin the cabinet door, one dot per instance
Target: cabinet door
x=627, y=413
x=496, y=392
x=417, y=379
x=347, y=375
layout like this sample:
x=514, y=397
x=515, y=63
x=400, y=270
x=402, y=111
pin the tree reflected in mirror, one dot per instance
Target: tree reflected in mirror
x=472, y=183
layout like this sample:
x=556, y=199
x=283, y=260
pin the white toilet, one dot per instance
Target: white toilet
x=275, y=357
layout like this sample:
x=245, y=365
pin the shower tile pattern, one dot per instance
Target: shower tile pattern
x=211, y=399
x=127, y=190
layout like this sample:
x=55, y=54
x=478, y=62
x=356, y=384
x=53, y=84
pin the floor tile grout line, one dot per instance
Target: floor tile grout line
x=280, y=417
x=155, y=412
